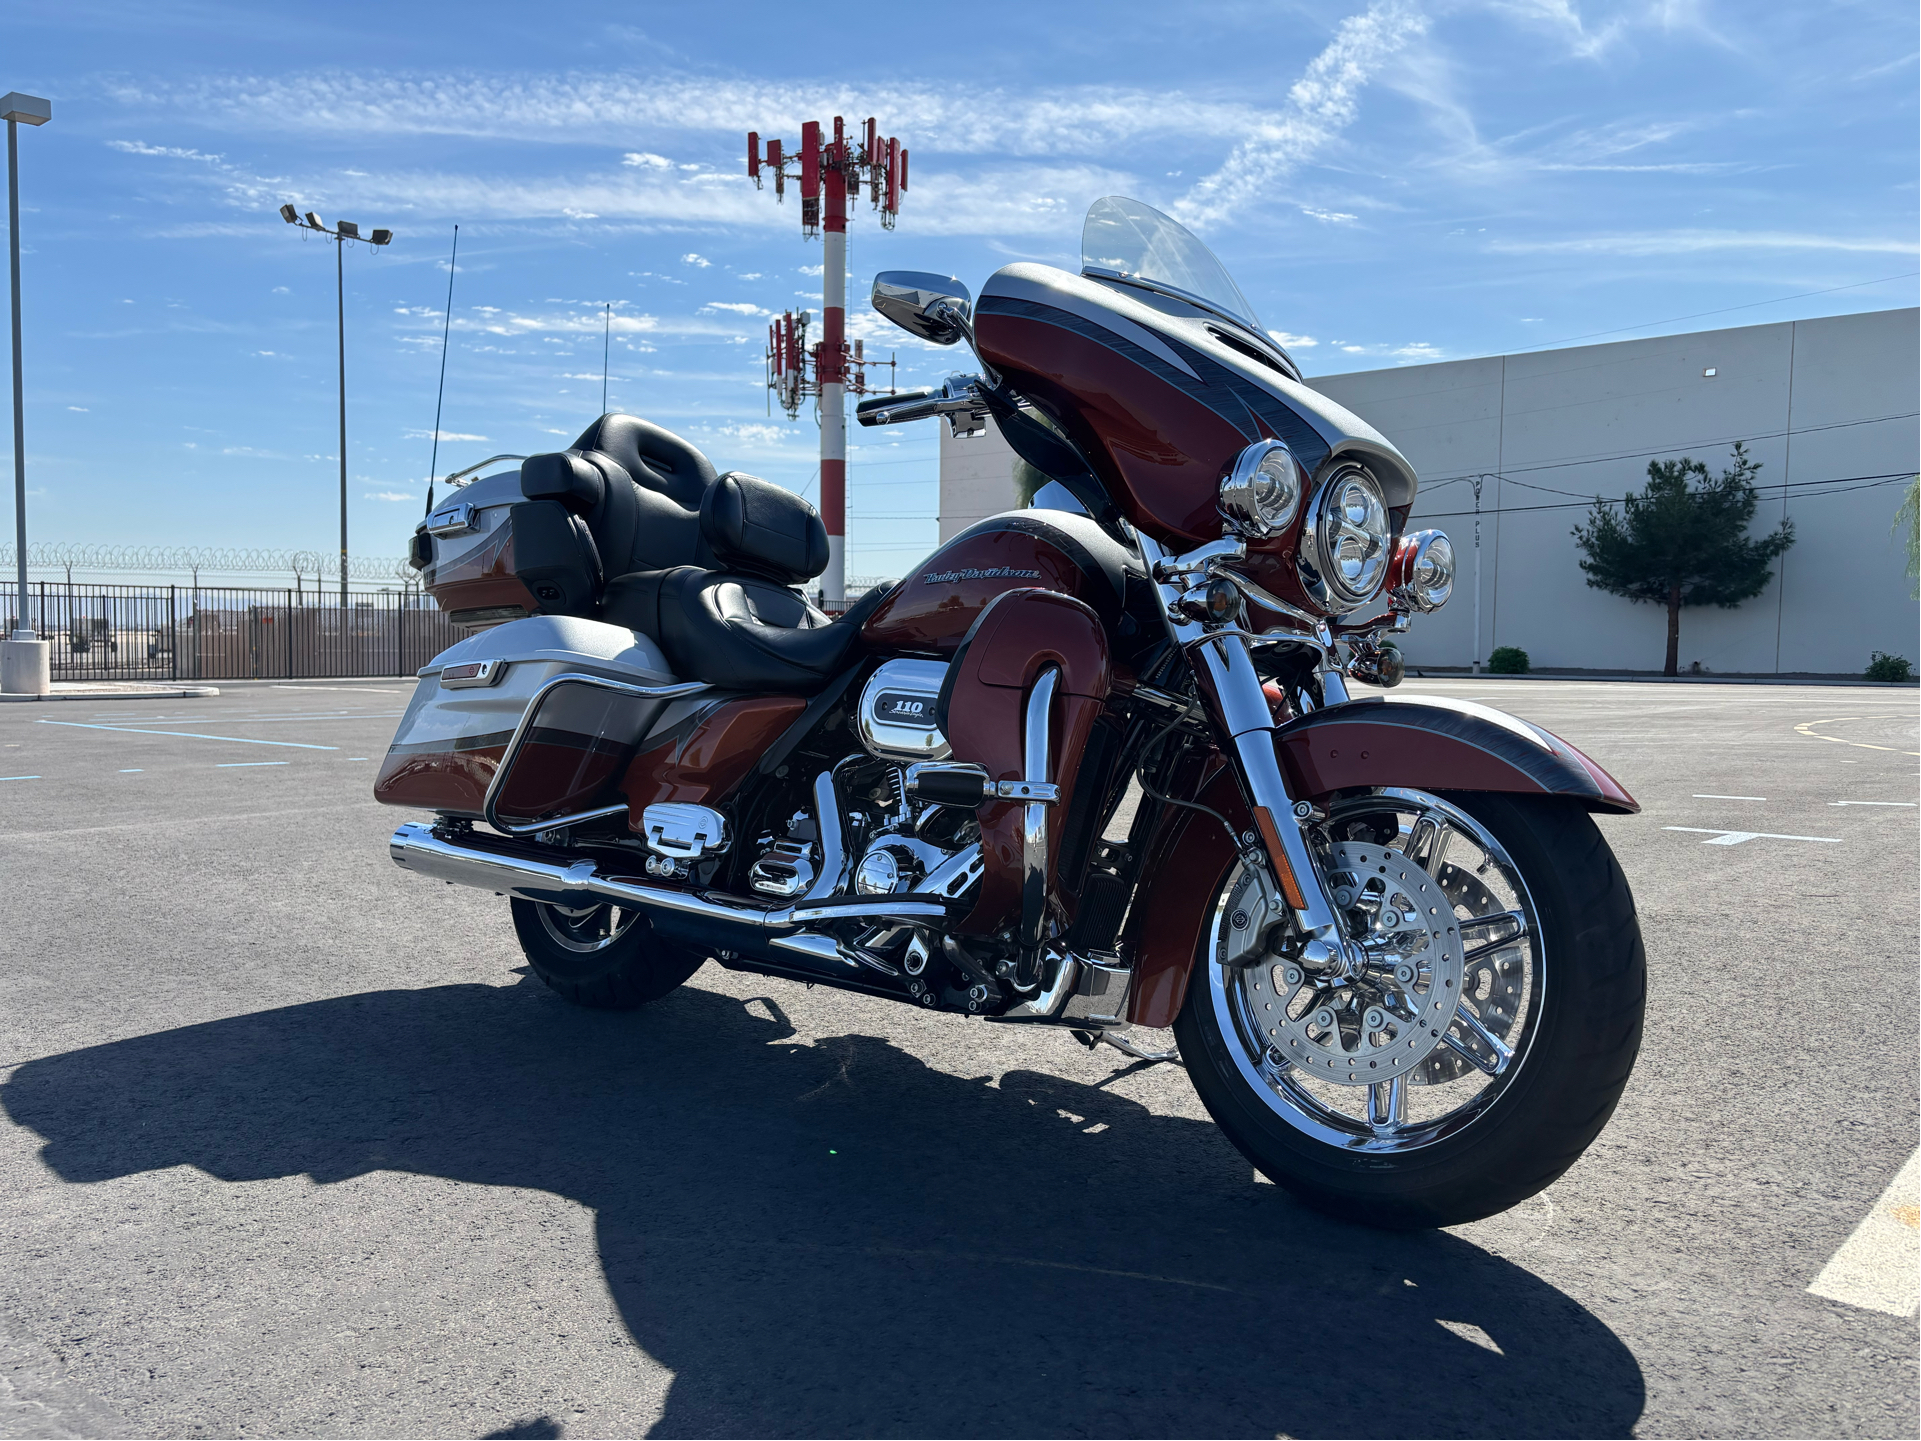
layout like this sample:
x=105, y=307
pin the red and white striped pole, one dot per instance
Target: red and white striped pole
x=831, y=368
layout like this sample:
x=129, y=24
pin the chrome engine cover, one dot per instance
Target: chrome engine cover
x=897, y=711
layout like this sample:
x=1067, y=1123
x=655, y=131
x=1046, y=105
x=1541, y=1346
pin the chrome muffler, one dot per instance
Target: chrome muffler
x=533, y=873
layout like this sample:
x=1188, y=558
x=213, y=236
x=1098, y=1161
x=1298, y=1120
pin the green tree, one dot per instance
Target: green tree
x=1683, y=541
x=1907, y=525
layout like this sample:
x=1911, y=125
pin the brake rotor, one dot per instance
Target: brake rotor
x=1382, y=1010
x=1493, y=984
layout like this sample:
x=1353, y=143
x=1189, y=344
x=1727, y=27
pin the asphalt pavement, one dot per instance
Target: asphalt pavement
x=290, y=1143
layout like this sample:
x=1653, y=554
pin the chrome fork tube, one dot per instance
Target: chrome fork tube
x=1233, y=692
x=1035, y=767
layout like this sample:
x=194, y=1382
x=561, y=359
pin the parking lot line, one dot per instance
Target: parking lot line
x=1878, y=1268
x=248, y=765
x=1804, y=729
x=1909, y=804
x=1729, y=798
x=19, y=778
x=190, y=735
x=1735, y=838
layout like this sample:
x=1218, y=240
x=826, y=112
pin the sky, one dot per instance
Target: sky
x=1390, y=181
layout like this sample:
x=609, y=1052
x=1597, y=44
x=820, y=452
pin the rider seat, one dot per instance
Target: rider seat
x=741, y=625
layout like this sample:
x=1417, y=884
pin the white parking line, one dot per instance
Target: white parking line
x=190, y=735
x=1909, y=804
x=1730, y=798
x=1735, y=838
x=248, y=765
x=1878, y=1268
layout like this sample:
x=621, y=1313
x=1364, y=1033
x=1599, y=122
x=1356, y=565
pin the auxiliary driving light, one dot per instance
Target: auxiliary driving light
x=1261, y=492
x=1422, y=575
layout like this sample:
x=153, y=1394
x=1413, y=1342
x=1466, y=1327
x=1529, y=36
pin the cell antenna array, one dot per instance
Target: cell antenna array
x=828, y=169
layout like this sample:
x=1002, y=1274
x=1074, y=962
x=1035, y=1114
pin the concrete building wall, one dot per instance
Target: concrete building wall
x=1815, y=401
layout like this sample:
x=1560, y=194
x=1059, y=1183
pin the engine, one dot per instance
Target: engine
x=877, y=840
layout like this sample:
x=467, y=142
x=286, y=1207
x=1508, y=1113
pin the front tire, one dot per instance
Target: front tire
x=607, y=958
x=1526, y=1076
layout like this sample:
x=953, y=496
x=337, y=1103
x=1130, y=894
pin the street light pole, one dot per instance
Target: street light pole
x=340, y=234
x=25, y=659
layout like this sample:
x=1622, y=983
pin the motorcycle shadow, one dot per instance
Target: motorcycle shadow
x=836, y=1239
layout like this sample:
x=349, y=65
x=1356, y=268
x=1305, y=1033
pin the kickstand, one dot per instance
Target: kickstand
x=1093, y=1039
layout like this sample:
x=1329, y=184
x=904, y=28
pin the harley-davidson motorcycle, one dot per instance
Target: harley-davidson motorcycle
x=1096, y=764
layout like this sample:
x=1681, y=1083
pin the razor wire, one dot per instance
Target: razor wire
x=195, y=559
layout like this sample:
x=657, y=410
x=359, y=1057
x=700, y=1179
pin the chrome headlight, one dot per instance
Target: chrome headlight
x=1422, y=576
x=1344, y=553
x=1261, y=493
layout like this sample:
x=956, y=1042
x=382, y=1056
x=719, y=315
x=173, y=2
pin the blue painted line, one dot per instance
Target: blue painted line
x=189, y=735
x=134, y=772
x=248, y=765
x=19, y=778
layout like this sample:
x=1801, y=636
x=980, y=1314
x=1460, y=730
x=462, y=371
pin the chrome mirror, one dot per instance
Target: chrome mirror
x=934, y=307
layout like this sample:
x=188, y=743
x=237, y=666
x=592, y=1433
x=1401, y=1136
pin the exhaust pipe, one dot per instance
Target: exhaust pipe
x=533, y=873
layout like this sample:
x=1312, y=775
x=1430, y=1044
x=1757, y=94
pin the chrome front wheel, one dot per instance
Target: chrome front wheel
x=1471, y=1038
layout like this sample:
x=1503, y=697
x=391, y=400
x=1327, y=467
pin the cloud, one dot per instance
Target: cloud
x=389, y=495
x=755, y=433
x=81, y=408
x=445, y=434
x=248, y=450
x=738, y=307
x=1332, y=217
x=1293, y=342
x=646, y=159
x=1321, y=104
x=692, y=259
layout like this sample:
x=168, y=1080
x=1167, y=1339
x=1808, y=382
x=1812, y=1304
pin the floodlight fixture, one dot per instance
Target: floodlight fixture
x=314, y=222
x=290, y=215
x=347, y=228
x=25, y=109
x=381, y=237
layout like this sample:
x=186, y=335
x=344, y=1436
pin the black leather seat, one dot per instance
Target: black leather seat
x=636, y=491
x=742, y=625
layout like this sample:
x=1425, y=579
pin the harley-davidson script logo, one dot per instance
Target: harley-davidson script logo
x=992, y=572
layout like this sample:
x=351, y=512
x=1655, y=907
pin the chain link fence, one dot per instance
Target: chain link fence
x=185, y=632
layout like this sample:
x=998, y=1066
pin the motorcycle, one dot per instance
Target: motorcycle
x=1099, y=764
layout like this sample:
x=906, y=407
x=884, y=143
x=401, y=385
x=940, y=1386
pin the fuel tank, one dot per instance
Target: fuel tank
x=1160, y=395
x=930, y=612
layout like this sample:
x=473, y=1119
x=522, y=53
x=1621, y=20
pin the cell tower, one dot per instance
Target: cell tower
x=828, y=171
x=795, y=369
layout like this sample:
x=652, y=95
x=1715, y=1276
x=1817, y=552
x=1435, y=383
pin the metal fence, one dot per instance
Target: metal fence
x=177, y=632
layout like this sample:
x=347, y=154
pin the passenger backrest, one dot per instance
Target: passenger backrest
x=637, y=487
x=555, y=558
x=758, y=528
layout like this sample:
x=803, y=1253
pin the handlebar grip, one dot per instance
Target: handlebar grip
x=912, y=405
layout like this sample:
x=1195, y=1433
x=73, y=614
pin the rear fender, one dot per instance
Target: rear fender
x=1430, y=744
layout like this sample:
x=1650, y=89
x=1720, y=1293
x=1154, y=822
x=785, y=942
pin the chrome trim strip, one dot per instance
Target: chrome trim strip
x=464, y=477
x=512, y=753
x=1035, y=762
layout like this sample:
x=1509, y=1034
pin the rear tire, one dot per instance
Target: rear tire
x=607, y=959
x=1570, y=1066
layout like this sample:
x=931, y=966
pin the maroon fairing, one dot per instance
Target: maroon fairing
x=1159, y=451
x=1018, y=635
x=1431, y=745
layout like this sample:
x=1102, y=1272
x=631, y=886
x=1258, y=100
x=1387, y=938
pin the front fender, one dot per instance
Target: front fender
x=1427, y=743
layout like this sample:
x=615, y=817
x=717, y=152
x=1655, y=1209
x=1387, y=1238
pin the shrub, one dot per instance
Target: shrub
x=1889, y=667
x=1507, y=660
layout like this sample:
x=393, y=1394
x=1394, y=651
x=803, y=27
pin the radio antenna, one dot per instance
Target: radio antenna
x=446, y=330
x=606, y=343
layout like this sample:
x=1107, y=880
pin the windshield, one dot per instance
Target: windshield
x=1131, y=241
